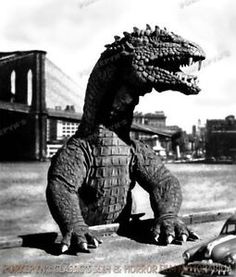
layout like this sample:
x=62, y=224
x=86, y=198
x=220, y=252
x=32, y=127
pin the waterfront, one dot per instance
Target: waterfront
x=23, y=207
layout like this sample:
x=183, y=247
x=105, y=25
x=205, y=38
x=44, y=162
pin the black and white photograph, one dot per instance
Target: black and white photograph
x=117, y=138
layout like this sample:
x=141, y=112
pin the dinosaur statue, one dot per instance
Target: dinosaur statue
x=91, y=177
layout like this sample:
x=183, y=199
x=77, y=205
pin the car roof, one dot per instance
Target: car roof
x=231, y=219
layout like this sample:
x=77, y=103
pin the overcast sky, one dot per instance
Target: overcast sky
x=73, y=32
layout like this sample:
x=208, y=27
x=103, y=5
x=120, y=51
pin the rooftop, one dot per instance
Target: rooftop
x=157, y=114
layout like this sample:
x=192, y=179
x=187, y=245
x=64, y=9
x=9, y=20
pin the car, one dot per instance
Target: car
x=221, y=250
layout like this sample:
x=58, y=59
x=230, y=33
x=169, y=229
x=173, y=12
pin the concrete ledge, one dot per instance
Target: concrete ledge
x=188, y=219
x=10, y=242
x=202, y=217
x=109, y=229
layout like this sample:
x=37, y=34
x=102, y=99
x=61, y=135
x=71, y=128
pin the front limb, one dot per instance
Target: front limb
x=165, y=195
x=66, y=176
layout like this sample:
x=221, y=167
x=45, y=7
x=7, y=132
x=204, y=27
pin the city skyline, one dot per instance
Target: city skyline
x=74, y=34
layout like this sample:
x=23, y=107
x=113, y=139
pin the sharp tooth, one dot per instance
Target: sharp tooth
x=199, y=65
x=190, y=61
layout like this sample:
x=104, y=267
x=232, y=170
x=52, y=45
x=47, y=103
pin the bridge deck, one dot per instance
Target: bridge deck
x=14, y=107
x=22, y=108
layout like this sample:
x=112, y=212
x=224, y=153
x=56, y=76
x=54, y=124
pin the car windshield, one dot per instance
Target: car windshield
x=229, y=228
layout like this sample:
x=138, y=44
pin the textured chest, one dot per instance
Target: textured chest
x=109, y=177
x=109, y=172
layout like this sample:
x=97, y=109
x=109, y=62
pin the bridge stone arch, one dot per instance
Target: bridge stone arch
x=13, y=85
x=29, y=87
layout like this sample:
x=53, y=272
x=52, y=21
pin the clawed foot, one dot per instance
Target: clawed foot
x=76, y=243
x=171, y=229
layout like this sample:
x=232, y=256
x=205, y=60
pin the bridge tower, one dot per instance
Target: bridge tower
x=23, y=113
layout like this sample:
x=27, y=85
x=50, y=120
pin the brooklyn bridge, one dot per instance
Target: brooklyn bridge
x=30, y=88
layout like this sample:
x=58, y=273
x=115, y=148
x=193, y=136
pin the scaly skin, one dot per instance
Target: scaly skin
x=90, y=179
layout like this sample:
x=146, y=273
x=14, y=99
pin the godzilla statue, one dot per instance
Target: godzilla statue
x=91, y=177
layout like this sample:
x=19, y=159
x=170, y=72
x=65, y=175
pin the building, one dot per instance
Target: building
x=66, y=129
x=157, y=119
x=197, y=140
x=146, y=121
x=151, y=128
x=58, y=131
x=221, y=139
x=52, y=148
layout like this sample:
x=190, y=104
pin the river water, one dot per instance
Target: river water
x=23, y=207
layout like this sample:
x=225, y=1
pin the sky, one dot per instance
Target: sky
x=74, y=33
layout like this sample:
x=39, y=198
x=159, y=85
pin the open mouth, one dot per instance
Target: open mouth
x=181, y=70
